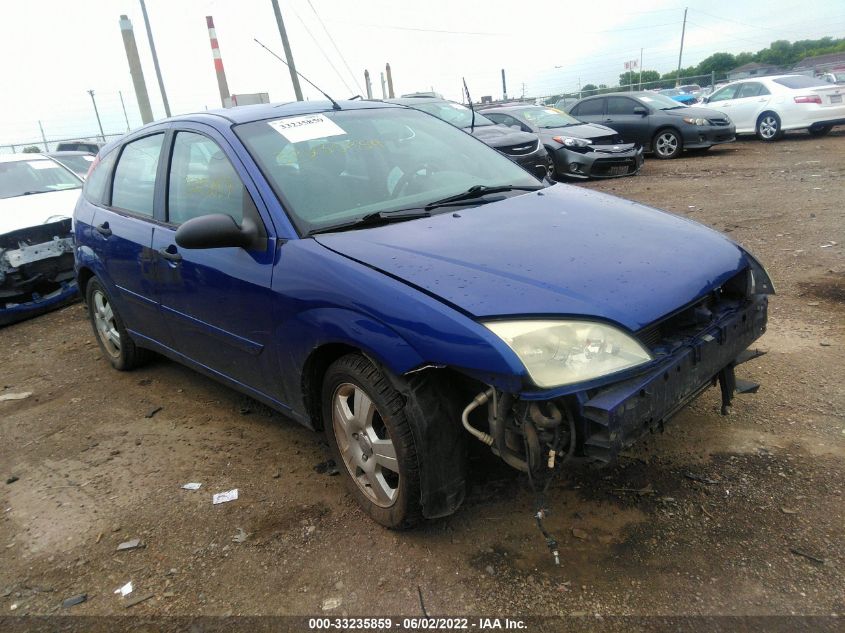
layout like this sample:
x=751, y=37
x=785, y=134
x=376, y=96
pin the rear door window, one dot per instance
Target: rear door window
x=620, y=105
x=135, y=175
x=751, y=89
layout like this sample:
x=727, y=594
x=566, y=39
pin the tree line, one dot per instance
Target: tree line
x=779, y=53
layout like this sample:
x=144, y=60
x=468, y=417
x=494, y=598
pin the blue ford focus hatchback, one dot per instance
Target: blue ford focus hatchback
x=385, y=277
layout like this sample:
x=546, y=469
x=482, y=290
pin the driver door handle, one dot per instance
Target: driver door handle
x=170, y=253
x=103, y=229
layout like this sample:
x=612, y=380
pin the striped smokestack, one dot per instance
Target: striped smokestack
x=218, y=63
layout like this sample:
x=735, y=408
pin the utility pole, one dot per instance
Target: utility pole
x=155, y=59
x=681, y=53
x=504, y=87
x=288, y=55
x=383, y=87
x=368, y=84
x=135, y=69
x=43, y=137
x=640, y=83
x=389, y=80
x=123, y=105
x=97, y=112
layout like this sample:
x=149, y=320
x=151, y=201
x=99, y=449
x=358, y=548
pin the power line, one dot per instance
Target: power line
x=331, y=39
x=334, y=68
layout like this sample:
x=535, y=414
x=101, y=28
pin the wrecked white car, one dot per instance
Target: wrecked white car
x=37, y=196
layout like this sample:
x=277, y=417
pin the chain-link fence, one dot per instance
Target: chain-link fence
x=705, y=83
x=49, y=144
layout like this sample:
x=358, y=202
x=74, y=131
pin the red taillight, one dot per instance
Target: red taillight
x=809, y=99
x=95, y=162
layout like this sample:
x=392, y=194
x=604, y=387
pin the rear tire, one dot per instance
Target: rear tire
x=820, y=130
x=769, y=127
x=667, y=144
x=117, y=347
x=370, y=436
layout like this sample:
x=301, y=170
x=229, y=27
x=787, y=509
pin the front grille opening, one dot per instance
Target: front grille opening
x=697, y=316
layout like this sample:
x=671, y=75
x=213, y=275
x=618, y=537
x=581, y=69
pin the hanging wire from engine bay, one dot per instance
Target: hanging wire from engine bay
x=540, y=425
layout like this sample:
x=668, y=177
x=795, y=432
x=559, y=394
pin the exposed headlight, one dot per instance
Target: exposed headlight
x=759, y=282
x=571, y=141
x=692, y=121
x=559, y=353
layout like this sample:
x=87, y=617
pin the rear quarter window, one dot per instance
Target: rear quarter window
x=97, y=182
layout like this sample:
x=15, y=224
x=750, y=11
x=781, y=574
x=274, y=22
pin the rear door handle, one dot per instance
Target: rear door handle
x=170, y=253
x=103, y=229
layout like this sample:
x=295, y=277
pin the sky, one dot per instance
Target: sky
x=54, y=51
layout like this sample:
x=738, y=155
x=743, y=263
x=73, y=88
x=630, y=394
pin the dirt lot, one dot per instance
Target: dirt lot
x=642, y=537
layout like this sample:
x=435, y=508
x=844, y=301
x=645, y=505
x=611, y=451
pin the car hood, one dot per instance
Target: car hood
x=501, y=135
x=585, y=130
x=22, y=212
x=565, y=251
x=700, y=113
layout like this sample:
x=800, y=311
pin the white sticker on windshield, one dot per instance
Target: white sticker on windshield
x=306, y=128
x=40, y=164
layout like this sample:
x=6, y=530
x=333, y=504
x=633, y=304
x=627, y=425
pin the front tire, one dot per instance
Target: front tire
x=369, y=433
x=667, y=144
x=769, y=127
x=114, y=341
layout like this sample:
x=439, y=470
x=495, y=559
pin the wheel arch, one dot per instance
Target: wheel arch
x=82, y=278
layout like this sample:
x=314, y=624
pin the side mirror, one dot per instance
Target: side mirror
x=216, y=231
x=640, y=110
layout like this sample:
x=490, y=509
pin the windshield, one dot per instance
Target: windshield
x=336, y=167
x=77, y=164
x=37, y=175
x=454, y=113
x=659, y=101
x=548, y=117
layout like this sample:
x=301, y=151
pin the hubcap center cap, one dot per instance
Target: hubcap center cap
x=366, y=445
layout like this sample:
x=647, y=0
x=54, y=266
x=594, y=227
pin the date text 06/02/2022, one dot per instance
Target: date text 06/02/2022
x=417, y=624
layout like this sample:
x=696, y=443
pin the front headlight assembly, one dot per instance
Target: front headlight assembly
x=693, y=121
x=558, y=353
x=572, y=141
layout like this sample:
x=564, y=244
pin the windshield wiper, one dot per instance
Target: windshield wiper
x=30, y=193
x=375, y=219
x=477, y=191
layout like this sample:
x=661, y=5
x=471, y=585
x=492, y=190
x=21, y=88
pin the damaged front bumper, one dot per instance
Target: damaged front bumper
x=36, y=270
x=614, y=417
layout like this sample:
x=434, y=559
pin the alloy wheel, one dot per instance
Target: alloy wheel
x=365, y=444
x=105, y=321
x=768, y=126
x=667, y=144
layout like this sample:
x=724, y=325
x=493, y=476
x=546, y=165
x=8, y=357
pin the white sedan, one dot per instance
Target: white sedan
x=37, y=197
x=768, y=106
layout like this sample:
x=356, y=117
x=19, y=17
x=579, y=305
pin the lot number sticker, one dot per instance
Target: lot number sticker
x=306, y=128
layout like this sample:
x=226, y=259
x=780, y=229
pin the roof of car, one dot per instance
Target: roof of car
x=412, y=101
x=261, y=111
x=70, y=153
x=11, y=158
x=515, y=106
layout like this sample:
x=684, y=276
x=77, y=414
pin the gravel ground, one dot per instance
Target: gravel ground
x=738, y=515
